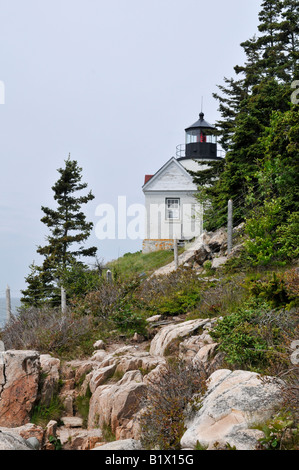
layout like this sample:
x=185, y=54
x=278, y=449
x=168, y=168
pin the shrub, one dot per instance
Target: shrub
x=280, y=433
x=261, y=230
x=173, y=294
x=287, y=238
x=271, y=290
x=45, y=330
x=254, y=336
x=178, y=303
x=126, y=320
x=168, y=397
x=292, y=285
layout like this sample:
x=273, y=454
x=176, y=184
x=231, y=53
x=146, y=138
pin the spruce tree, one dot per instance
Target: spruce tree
x=69, y=230
x=263, y=85
x=289, y=37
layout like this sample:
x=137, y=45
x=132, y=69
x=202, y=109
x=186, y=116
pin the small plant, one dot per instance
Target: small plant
x=208, y=268
x=199, y=446
x=108, y=434
x=55, y=442
x=278, y=433
x=42, y=414
x=127, y=321
x=82, y=405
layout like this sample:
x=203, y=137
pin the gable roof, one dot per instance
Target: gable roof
x=172, y=176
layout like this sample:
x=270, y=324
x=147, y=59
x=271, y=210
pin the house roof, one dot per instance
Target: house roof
x=147, y=178
x=183, y=172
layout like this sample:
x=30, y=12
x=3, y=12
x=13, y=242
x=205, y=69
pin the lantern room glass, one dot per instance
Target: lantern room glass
x=199, y=135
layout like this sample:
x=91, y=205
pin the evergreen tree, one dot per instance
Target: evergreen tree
x=279, y=173
x=289, y=37
x=69, y=231
x=246, y=106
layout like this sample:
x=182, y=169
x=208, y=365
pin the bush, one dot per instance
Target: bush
x=287, y=238
x=126, y=320
x=261, y=228
x=45, y=330
x=168, y=397
x=178, y=303
x=281, y=290
x=174, y=294
x=254, y=336
x=271, y=290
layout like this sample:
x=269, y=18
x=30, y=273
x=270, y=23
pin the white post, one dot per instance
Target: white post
x=63, y=300
x=8, y=304
x=109, y=276
x=229, y=226
x=175, y=251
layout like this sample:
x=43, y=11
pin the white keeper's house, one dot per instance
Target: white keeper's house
x=172, y=210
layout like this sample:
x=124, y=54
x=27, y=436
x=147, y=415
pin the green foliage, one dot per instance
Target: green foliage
x=199, y=446
x=82, y=405
x=132, y=264
x=287, y=238
x=278, y=172
x=261, y=229
x=78, y=280
x=258, y=126
x=280, y=433
x=128, y=321
x=274, y=291
x=173, y=294
x=254, y=336
x=240, y=338
x=42, y=414
x=108, y=434
x=56, y=442
x=178, y=303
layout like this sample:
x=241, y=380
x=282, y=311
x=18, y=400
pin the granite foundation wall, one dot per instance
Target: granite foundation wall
x=151, y=245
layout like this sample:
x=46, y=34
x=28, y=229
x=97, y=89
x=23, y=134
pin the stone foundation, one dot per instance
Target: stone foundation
x=151, y=245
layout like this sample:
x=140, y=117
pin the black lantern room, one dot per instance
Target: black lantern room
x=201, y=142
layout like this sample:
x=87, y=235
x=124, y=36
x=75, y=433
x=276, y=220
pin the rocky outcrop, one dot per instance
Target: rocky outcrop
x=126, y=444
x=12, y=441
x=115, y=405
x=19, y=379
x=167, y=334
x=117, y=378
x=209, y=246
x=50, y=368
x=234, y=402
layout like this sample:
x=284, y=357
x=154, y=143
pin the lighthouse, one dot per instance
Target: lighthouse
x=171, y=208
x=200, y=145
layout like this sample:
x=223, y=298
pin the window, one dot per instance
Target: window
x=172, y=209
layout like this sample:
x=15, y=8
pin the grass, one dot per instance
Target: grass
x=42, y=414
x=139, y=263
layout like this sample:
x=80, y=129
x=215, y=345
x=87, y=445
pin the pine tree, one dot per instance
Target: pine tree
x=246, y=106
x=69, y=231
x=289, y=37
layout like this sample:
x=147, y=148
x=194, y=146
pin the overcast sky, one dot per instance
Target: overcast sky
x=114, y=83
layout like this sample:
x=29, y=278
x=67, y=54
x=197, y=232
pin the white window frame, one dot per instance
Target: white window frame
x=168, y=208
